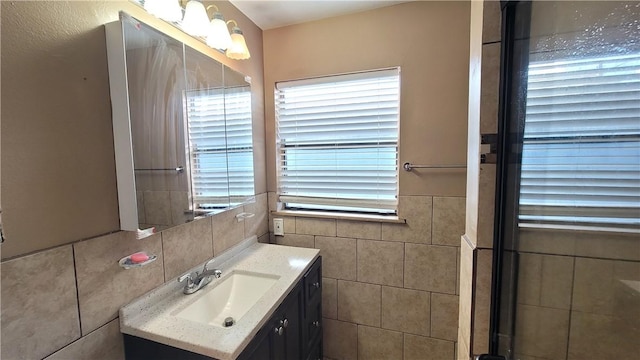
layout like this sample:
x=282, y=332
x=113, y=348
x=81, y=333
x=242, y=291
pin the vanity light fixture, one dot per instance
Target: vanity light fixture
x=238, y=49
x=218, y=36
x=168, y=10
x=196, y=20
x=196, y=23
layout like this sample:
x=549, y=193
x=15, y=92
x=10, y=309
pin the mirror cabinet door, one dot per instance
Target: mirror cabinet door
x=182, y=129
x=156, y=84
x=207, y=136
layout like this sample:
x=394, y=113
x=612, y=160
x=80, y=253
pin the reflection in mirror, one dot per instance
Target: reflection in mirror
x=155, y=85
x=239, y=137
x=182, y=129
x=205, y=108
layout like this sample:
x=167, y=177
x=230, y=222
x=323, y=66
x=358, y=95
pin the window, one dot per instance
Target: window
x=581, y=148
x=221, y=151
x=337, y=140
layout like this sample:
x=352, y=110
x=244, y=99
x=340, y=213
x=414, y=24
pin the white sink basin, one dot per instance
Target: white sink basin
x=231, y=296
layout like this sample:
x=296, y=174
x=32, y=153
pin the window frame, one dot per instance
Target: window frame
x=335, y=206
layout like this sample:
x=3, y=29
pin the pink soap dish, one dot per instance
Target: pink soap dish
x=136, y=260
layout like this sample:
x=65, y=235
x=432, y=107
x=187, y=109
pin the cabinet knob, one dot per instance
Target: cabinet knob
x=316, y=285
x=316, y=323
x=284, y=323
x=279, y=330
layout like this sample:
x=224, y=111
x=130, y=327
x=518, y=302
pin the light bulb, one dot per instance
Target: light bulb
x=238, y=49
x=218, y=37
x=196, y=20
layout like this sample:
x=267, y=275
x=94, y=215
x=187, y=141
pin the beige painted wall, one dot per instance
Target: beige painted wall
x=58, y=170
x=428, y=40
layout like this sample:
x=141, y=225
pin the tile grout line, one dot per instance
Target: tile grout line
x=573, y=284
x=75, y=276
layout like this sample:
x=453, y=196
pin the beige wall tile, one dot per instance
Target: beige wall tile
x=492, y=21
x=458, y=261
x=595, y=336
x=610, y=246
x=321, y=227
x=529, y=279
x=448, y=220
x=338, y=257
x=444, y=316
x=466, y=291
x=272, y=204
x=289, y=225
x=140, y=205
x=39, y=304
x=179, y=204
x=375, y=343
x=340, y=340
x=556, y=281
x=583, y=244
x=329, y=298
x=104, y=286
x=542, y=331
x=264, y=239
x=406, y=310
x=186, y=246
x=359, y=302
x=486, y=199
x=421, y=348
x=105, y=344
x=226, y=230
x=259, y=223
x=307, y=241
x=545, y=280
x=597, y=282
x=482, y=300
x=359, y=229
x=489, y=93
x=546, y=242
x=417, y=210
x=462, y=348
x=380, y=262
x=430, y=267
x=157, y=206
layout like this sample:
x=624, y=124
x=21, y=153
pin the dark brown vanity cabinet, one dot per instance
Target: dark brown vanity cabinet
x=294, y=331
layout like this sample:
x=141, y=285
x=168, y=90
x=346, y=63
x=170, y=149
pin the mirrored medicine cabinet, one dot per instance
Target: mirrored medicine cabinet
x=182, y=129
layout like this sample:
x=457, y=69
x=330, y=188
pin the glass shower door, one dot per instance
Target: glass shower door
x=568, y=229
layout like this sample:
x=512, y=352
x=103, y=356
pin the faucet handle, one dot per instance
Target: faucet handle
x=188, y=277
x=217, y=273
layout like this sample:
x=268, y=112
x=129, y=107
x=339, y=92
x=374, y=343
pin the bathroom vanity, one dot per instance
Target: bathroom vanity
x=270, y=295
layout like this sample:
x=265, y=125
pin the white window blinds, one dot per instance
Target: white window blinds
x=337, y=140
x=239, y=143
x=221, y=151
x=581, y=150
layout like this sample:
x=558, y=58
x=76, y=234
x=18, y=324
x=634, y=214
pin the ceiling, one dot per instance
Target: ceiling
x=269, y=14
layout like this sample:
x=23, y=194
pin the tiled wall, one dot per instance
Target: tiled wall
x=578, y=296
x=63, y=303
x=477, y=243
x=389, y=290
x=578, y=292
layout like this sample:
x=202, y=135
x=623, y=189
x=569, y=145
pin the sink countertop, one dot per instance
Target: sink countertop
x=152, y=316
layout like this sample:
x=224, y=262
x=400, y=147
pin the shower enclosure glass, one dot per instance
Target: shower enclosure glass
x=568, y=235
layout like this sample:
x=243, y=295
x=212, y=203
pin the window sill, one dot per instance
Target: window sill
x=337, y=216
x=578, y=228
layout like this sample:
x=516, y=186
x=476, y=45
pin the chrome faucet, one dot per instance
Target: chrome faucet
x=198, y=280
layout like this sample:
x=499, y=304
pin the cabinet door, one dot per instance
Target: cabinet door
x=261, y=347
x=287, y=330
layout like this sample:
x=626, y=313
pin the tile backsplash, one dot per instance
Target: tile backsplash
x=63, y=303
x=390, y=291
